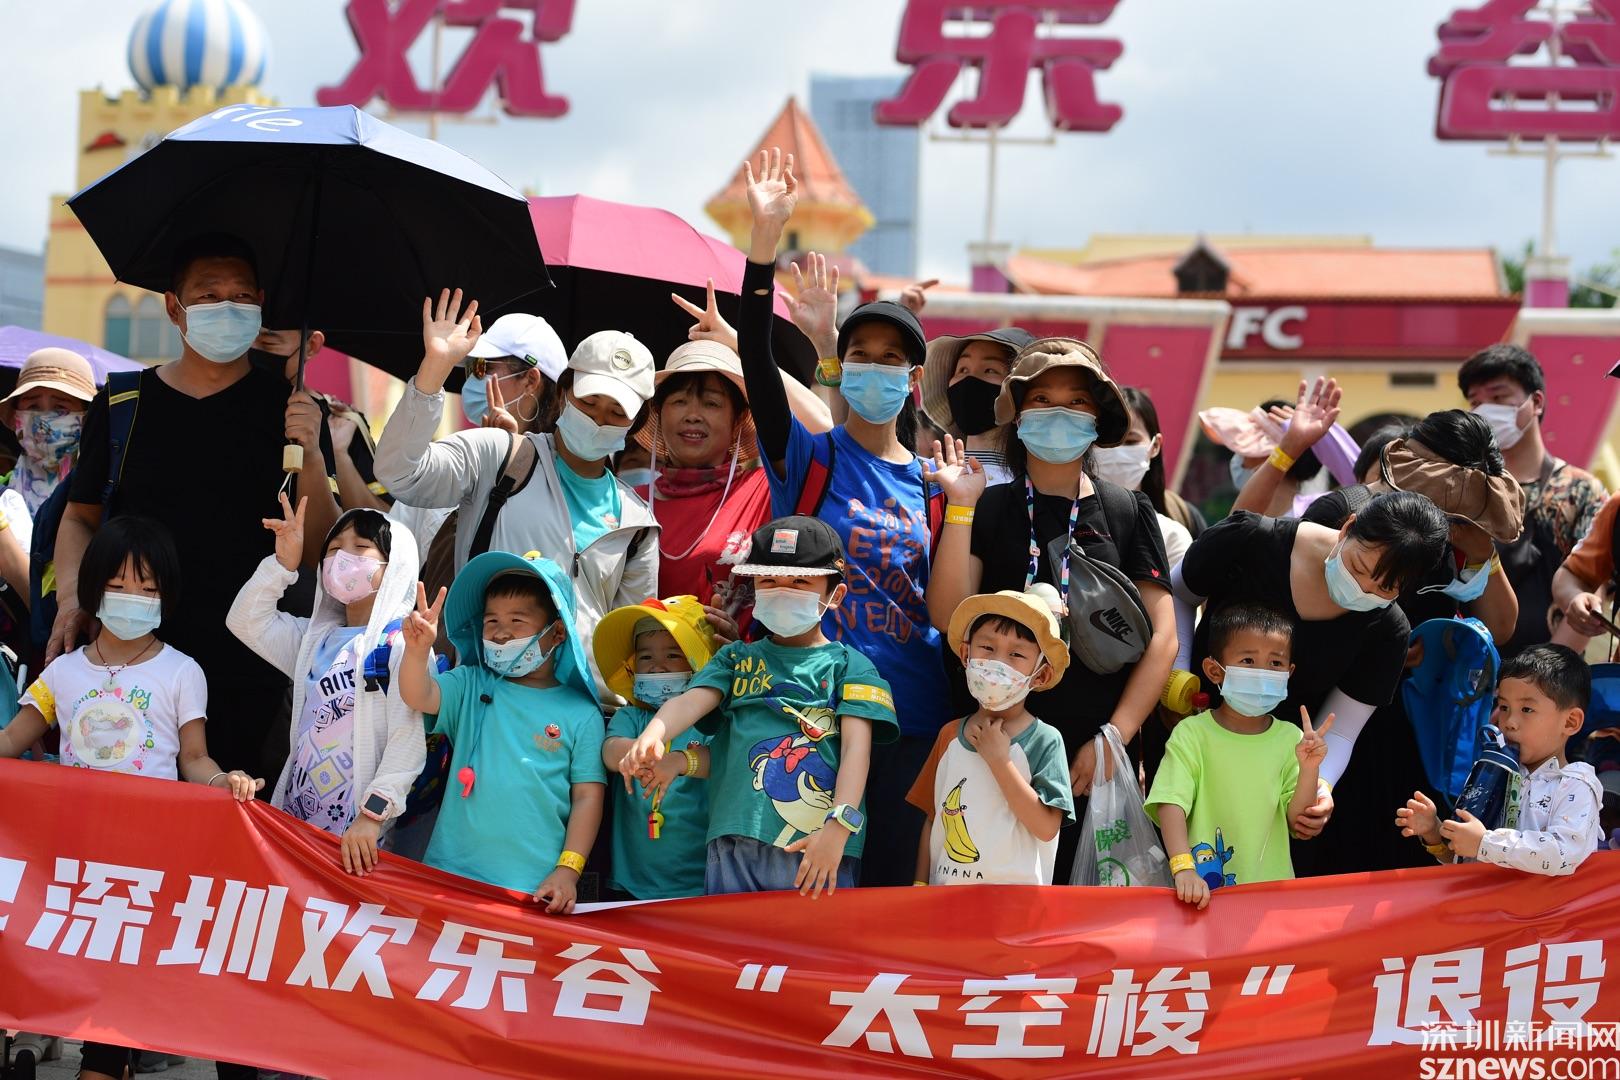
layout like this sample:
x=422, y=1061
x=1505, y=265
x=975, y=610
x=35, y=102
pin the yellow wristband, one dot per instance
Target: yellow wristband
x=573, y=860
x=1437, y=850
x=1496, y=562
x=1281, y=460
x=829, y=371
x=1181, y=862
x=692, y=761
x=916, y=883
x=958, y=515
x=5, y=522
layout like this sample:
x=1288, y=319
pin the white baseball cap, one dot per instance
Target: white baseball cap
x=614, y=363
x=528, y=338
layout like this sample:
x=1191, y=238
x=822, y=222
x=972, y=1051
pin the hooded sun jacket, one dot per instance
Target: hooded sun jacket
x=461, y=470
x=390, y=744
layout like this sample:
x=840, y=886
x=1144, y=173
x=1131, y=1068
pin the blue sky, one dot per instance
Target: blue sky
x=1266, y=116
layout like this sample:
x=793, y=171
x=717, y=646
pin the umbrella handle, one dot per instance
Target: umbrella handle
x=292, y=458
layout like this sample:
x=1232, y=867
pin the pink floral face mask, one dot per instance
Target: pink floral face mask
x=348, y=577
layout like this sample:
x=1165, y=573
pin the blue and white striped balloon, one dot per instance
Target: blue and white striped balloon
x=185, y=43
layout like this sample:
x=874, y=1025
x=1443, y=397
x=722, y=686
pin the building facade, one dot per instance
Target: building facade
x=883, y=164
x=22, y=288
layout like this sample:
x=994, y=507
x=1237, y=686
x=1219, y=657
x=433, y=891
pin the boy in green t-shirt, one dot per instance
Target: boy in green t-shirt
x=647, y=653
x=1233, y=777
x=793, y=718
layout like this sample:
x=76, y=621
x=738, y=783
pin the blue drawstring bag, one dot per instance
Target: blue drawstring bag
x=1449, y=697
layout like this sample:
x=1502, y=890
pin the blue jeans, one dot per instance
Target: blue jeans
x=741, y=864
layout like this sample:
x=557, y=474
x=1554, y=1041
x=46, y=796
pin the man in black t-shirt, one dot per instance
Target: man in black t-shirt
x=204, y=459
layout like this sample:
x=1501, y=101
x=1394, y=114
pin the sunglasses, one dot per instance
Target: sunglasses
x=479, y=367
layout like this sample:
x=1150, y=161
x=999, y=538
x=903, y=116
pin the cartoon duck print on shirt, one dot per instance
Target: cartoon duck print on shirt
x=1211, y=862
x=790, y=770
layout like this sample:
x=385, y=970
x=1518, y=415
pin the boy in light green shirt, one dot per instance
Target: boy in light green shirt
x=1233, y=777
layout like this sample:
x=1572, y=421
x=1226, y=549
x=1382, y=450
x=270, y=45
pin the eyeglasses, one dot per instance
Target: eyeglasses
x=479, y=367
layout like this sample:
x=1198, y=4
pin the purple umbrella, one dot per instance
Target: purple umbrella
x=16, y=343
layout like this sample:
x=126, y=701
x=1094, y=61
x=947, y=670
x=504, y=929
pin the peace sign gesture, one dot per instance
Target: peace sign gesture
x=774, y=191
x=1312, y=748
x=448, y=333
x=421, y=627
x=497, y=415
x=710, y=326
x=289, y=532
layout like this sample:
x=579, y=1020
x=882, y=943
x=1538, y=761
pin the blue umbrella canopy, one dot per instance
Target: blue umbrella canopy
x=352, y=221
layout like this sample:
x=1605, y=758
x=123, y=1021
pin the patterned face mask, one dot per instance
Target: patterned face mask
x=348, y=577
x=996, y=685
x=48, y=436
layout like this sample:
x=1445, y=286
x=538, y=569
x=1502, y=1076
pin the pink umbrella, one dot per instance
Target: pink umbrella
x=614, y=265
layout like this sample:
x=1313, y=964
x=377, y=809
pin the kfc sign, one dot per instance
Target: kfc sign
x=498, y=53
x=941, y=38
x=1569, y=89
x=1279, y=328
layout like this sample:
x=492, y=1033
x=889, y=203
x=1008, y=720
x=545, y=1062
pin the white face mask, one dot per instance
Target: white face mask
x=1504, y=421
x=1123, y=465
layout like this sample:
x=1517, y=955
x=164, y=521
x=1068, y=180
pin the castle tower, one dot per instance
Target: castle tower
x=830, y=215
x=189, y=57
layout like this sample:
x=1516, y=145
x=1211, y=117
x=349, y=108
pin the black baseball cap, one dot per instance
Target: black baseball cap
x=897, y=315
x=805, y=545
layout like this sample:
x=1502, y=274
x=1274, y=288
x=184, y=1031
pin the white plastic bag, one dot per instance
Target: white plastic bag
x=1119, y=845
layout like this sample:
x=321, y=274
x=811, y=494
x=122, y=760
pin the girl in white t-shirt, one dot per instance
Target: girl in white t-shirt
x=126, y=702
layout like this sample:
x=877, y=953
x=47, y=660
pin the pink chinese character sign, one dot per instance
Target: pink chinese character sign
x=1507, y=73
x=503, y=52
x=249, y=929
x=940, y=40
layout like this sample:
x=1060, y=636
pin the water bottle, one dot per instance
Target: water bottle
x=1492, y=792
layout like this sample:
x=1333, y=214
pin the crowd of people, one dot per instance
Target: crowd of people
x=655, y=630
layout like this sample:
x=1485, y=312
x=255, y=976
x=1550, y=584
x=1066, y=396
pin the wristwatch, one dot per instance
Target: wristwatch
x=376, y=808
x=847, y=816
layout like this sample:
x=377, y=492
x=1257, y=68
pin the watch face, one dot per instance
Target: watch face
x=853, y=817
x=377, y=804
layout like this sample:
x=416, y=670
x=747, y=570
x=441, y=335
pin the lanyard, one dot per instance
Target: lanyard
x=1035, y=547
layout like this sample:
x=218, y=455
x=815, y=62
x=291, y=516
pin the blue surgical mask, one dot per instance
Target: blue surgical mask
x=1463, y=592
x=787, y=612
x=636, y=478
x=1345, y=590
x=518, y=657
x=653, y=690
x=222, y=332
x=128, y=617
x=1240, y=475
x=1254, y=691
x=474, y=400
x=587, y=438
x=876, y=391
x=1058, y=435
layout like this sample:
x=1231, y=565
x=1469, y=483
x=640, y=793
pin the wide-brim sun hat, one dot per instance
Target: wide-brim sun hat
x=464, y=611
x=1493, y=504
x=696, y=357
x=1025, y=609
x=58, y=369
x=615, y=639
x=1045, y=354
x=940, y=366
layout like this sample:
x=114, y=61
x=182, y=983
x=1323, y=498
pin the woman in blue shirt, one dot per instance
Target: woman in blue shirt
x=863, y=479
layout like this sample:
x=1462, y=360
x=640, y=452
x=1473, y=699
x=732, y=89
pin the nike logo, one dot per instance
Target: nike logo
x=1112, y=623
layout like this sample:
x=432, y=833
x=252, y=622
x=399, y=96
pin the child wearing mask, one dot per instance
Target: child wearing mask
x=1234, y=777
x=648, y=652
x=526, y=784
x=793, y=718
x=356, y=747
x=1541, y=699
x=996, y=787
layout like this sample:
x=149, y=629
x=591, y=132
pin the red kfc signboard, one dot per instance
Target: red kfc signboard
x=1513, y=68
x=941, y=38
x=503, y=51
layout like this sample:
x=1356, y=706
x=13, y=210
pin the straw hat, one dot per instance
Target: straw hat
x=701, y=356
x=1026, y=609
x=1113, y=416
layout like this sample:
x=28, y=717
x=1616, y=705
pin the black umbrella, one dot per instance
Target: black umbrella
x=352, y=221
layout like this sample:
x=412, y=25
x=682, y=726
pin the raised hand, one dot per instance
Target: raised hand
x=772, y=195
x=709, y=326
x=289, y=532
x=815, y=309
x=498, y=416
x=1312, y=747
x=958, y=475
x=915, y=296
x=448, y=332
x=1316, y=411
x=1419, y=818
x=421, y=627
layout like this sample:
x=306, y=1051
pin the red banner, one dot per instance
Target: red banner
x=165, y=916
